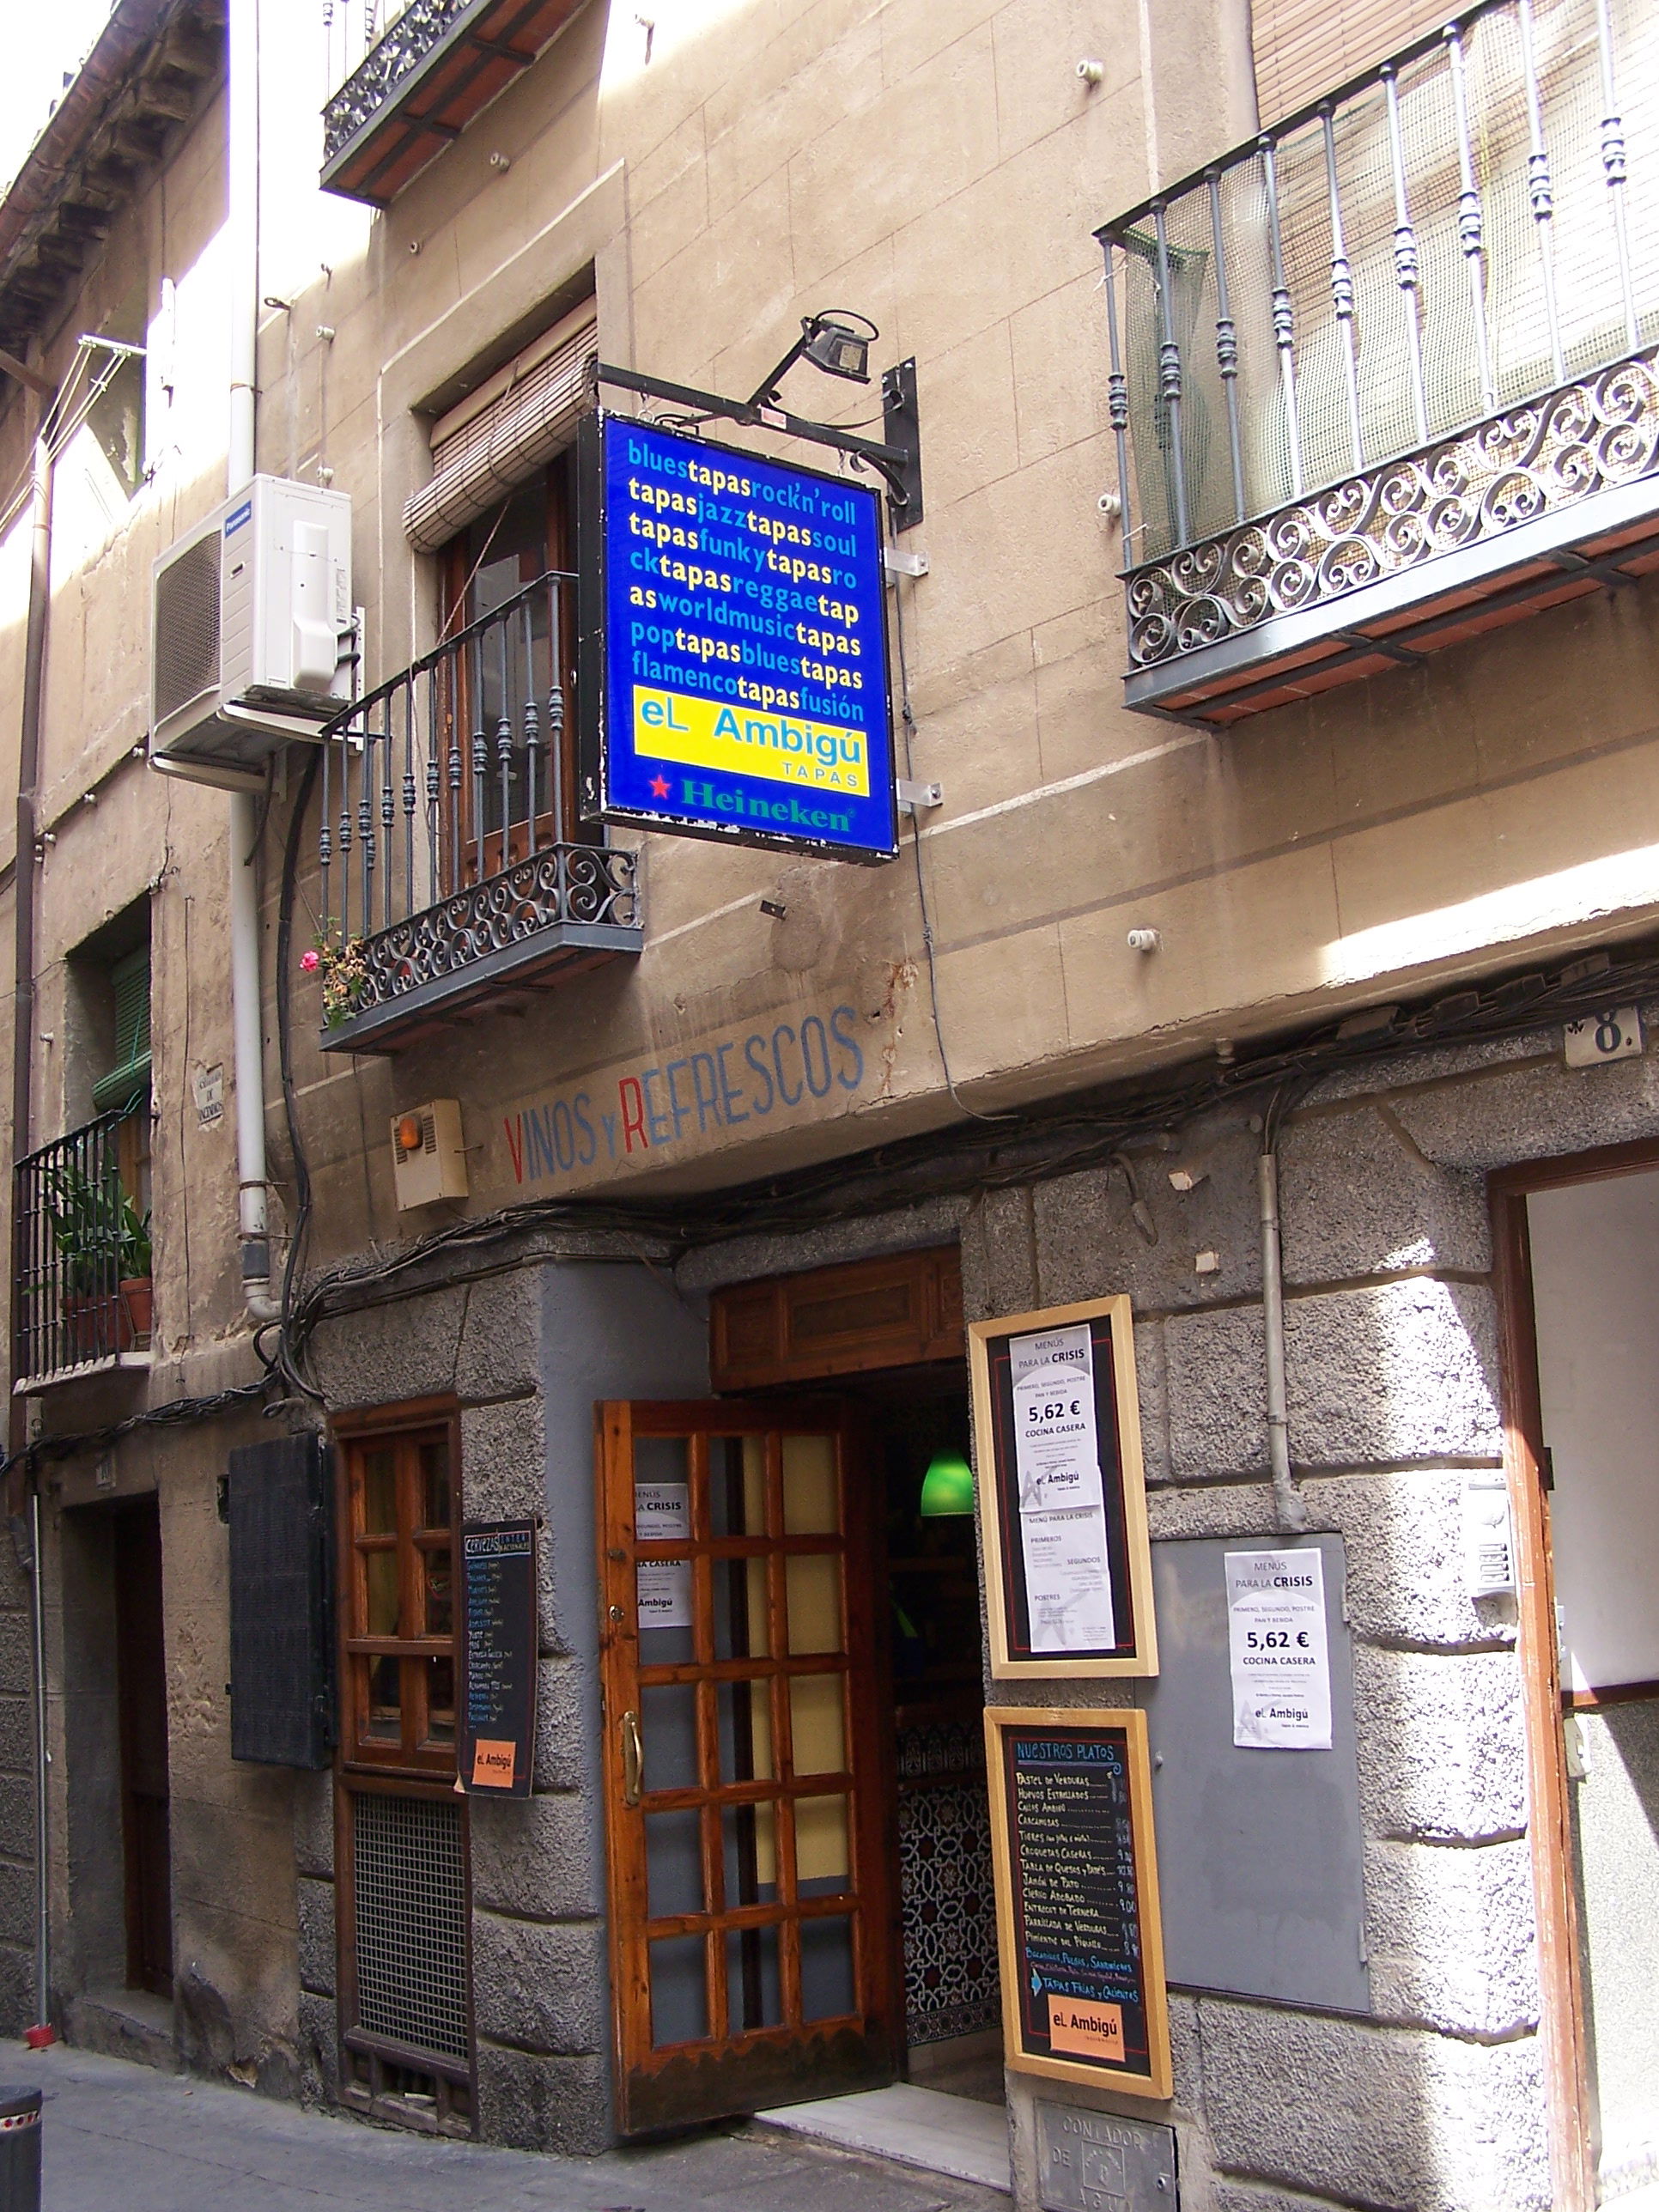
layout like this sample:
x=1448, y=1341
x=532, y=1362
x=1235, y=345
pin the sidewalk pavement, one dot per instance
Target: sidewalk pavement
x=119, y=2137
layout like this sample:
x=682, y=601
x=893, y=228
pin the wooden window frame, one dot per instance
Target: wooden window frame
x=414, y=1758
x=1564, y=2029
x=557, y=480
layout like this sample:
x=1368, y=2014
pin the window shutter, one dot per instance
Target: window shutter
x=129, y=1078
x=509, y=427
x=1306, y=47
x=282, y=1641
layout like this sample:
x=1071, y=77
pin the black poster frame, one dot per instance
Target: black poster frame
x=1110, y=1322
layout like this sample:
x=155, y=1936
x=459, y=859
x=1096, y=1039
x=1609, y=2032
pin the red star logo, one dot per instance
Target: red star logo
x=660, y=787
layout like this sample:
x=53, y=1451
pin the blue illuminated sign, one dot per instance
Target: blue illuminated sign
x=734, y=649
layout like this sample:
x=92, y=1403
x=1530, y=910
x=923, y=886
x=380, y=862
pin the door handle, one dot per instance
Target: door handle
x=633, y=1755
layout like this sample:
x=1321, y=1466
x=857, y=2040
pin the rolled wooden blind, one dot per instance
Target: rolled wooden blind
x=503, y=433
x=1306, y=47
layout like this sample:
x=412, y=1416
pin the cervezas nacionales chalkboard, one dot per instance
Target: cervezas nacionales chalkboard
x=498, y=1658
x=1078, y=1928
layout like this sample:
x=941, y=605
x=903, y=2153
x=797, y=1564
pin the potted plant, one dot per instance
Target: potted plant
x=103, y=1245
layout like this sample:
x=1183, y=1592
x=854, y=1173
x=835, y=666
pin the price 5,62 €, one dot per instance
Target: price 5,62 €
x=1056, y=1411
x=1275, y=1640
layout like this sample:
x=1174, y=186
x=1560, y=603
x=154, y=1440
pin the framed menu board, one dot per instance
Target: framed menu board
x=1079, y=1935
x=496, y=1752
x=1063, y=1503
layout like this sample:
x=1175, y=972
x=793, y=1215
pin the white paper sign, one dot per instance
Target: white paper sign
x=662, y=1515
x=1062, y=1516
x=1276, y=1643
x=662, y=1512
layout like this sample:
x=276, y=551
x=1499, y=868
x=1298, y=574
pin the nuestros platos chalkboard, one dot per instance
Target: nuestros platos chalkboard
x=498, y=1658
x=1081, y=1945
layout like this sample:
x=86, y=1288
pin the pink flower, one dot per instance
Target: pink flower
x=311, y=961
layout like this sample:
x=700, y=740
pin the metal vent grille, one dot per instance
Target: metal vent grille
x=409, y=1889
x=187, y=627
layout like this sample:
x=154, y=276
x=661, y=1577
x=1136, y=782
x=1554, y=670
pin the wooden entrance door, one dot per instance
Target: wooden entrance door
x=750, y=1912
x=142, y=1694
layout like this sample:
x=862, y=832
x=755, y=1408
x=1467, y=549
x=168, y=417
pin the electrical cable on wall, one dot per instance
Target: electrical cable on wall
x=907, y=722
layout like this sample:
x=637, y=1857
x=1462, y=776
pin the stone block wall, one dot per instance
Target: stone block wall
x=526, y=1353
x=1434, y=2103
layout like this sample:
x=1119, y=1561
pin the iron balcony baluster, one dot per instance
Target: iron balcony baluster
x=1613, y=169
x=1168, y=376
x=1118, y=398
x=1283, y=316
x=1471, y=222
x=440, y=920
x=1342, y=291
x=1226, y=346
x=1362, y=441
x=1541, y=190
x=1405, y=256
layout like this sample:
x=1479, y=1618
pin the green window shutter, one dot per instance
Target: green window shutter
x=129, y=1079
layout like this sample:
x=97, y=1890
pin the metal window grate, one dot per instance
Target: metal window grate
x=409, y=1890
x=187, y=627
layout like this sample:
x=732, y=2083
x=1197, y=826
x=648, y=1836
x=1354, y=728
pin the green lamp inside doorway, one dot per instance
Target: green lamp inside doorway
x=948, y=1485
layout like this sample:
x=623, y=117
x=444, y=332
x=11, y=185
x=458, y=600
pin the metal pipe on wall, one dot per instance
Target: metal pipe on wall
x=1289, y=1511
x=242, y=228
x=22, y=1054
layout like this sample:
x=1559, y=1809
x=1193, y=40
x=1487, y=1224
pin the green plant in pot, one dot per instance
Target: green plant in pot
x=103, y=1244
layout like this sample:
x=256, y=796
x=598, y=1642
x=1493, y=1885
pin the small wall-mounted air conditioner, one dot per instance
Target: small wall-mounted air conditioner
x=250, y=632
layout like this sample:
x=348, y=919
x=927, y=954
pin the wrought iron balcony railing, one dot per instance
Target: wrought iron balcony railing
x=1387, y=375
x=412, y=74
x=81, y=1287
x=449, y=877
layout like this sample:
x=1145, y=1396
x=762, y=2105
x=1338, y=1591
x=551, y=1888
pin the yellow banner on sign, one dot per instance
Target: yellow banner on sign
x=787, y=748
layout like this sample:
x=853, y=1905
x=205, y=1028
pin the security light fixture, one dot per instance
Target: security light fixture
x=947, y=1488
x=837, y=340
x=834, y=340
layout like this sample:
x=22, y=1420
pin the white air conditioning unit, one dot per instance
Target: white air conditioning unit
x=250, y=632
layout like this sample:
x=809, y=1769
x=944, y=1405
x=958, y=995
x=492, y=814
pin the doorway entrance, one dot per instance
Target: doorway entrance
x=1584, y=1268
x=801, y=1901
x=141, y=1698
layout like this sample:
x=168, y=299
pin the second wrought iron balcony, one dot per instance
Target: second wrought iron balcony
x=1386, y=377
x=453, y=874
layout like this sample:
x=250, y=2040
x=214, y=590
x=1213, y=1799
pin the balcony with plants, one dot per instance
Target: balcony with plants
x=410, y=75
x=82, y=1296
x=1385, y=377
x=453, y=874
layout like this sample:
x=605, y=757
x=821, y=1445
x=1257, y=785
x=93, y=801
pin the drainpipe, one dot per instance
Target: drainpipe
x=22, y=1045
x=1289, y=1511
x=242, y=224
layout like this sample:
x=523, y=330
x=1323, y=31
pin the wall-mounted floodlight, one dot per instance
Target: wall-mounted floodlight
x=834, y=340
x=837, y=340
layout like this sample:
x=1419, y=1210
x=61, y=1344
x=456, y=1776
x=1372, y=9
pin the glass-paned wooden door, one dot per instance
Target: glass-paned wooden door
x=751, y=1916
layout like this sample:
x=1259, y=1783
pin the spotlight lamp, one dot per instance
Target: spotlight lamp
x=835, y=340
x=838, y=341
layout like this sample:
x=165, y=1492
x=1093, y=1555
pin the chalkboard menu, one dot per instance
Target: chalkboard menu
x=498, y=1658
x=1063, y=1504
x=1082, y=1950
